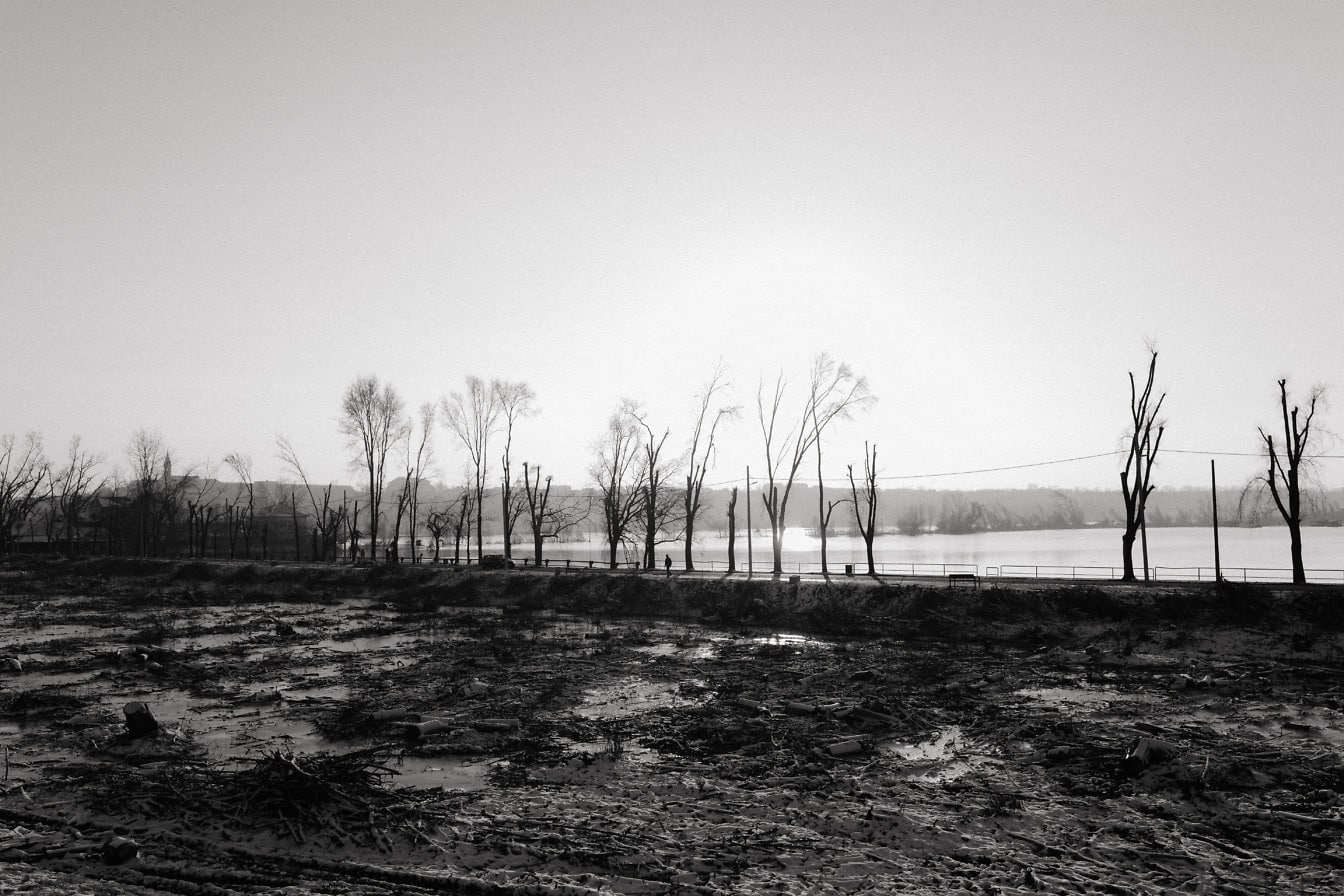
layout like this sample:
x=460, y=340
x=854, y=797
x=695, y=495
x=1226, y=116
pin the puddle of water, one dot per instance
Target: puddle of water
x=787, y=640
x=633, y=695
x=42, y=681
x=943, y=757
x=369, y=644
x=690, y=653
x=1089, y=697
x=936, y=748
x=445, y=772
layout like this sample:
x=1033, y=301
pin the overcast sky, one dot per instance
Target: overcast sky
x=216, y=215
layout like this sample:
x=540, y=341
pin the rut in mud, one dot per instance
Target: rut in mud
x=511, y=732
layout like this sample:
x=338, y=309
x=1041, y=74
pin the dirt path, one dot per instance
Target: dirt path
x=337, y=731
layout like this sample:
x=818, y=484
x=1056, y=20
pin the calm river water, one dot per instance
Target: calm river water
x=1173, y=553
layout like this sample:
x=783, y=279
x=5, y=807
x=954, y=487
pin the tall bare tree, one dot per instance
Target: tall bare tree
x=516, y=401
x=1141, y=456
x=709, y=414
x=418, y=454
x=655, y=506
x=548, y=517
x=158, y=494
x=1286, y=469
x=75, y=486
x=619, y=476
x=23, y=469
x=372, y=420
x=473, y=417
x=327, y=517
x=834, y=392
x=246, y=502
x=865, y=502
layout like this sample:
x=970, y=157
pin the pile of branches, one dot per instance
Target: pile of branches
x=343, y=797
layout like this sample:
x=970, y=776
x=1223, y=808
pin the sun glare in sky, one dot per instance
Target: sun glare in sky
x=219, y=214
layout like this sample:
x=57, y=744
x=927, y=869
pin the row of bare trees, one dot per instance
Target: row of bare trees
x=646, y=492
x=1289, y=461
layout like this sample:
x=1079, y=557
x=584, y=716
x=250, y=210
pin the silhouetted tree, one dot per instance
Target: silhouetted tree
x=1284, y=476
x=1142, y=453
x=473, y=417
x=372, y=421
x=516, y=401
x=865, y=507
x=657, y=504
x=23, y=469
x=701, y=454
x=418, y=453
x=548, y=517
x=833, y=392
x=75, y=486
x=328, y=519
x=241, y=464
x=618, y=476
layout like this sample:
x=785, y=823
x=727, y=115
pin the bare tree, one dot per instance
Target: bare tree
x=655, y=508
x=701, y=454
x=473, y=417
x=1284, y=476
x=834, y=392
x=23, y=469
x=157, y=494
x=460, y=521
x=865, y=503
x=418, y=454
x=548, y=517
x=327, y=518
x=74, y=487
x=436, y=523
x=619, y=476
x=1142, y=454
x=241, y=464
x=516, y=401
x=372, y=421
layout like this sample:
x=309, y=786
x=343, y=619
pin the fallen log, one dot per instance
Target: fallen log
x=416, y=730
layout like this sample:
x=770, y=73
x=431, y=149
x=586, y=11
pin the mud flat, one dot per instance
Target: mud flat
x=237, y=728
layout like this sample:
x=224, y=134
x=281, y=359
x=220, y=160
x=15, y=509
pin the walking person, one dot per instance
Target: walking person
x=667, y=564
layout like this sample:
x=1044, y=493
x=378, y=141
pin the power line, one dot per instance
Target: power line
x=1042, y=463
x=1243, y=454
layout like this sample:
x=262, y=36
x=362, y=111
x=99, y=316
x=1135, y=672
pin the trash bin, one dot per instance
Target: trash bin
x=849, y=569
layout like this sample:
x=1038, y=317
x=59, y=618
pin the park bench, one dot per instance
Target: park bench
x=956, y=579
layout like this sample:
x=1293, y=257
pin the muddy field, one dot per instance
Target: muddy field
x=217, y=729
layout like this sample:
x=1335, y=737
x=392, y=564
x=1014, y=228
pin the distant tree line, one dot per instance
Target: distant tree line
x=647, y=489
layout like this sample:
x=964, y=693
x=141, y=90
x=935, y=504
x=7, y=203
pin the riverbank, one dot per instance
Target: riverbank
x=401, y=730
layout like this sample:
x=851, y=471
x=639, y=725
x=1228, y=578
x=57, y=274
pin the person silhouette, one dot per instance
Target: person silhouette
x=667, y=563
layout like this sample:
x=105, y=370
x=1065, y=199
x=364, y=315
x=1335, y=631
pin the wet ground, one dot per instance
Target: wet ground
x=382, y=737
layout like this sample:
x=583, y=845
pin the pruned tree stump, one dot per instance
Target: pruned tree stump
x=140, y=721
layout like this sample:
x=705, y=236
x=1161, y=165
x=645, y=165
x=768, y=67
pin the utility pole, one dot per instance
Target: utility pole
x=1217, y=560
x=749, y=567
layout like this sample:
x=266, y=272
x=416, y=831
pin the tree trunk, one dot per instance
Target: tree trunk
x=868, y=544
x=732, y=532
x=1295, y=549
x=536, y=545
x=690, y=522
x=1127, y=552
